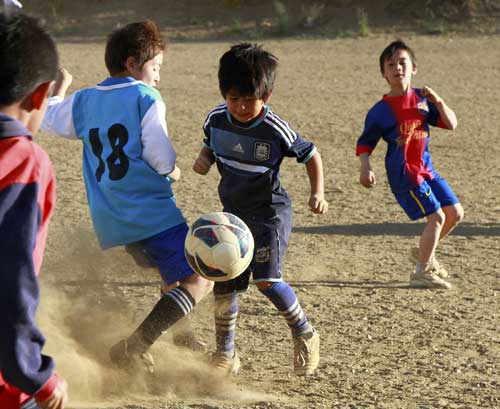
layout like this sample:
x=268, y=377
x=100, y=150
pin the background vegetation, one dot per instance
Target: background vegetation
x=214, y=19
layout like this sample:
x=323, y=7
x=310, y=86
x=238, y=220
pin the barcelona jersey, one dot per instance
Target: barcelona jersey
x=403, y=122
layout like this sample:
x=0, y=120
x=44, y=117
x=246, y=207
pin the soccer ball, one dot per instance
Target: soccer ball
x=219, y=246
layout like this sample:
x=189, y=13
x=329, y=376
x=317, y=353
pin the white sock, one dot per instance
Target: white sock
x=422, y=266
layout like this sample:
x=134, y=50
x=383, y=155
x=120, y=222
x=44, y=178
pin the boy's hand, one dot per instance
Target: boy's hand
x=367, y=178
x=175, y=175
x=58, y=399
x=202, y=164
x=431, y=95
x=445, y=112
x=63, y=81
x=318, y=204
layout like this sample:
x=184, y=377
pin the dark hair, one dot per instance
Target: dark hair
x=247, y=69
x=28, y=57
x=141, y=40
x=392, y=48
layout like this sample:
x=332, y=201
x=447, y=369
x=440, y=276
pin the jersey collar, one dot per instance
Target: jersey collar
x=257, y=122
x=118, y=82
x=10, y=127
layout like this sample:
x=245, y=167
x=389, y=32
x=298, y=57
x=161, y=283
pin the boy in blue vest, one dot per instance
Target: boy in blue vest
x=129, y=165
x=28, y=67
x=248, y=142
x=403, y=118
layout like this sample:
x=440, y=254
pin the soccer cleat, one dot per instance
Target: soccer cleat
x=225, y=364
x=443, y=273
x=429, y=278
x=123, y=358
x=306, y=353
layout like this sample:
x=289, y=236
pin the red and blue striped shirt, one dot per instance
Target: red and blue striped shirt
x=27, y=196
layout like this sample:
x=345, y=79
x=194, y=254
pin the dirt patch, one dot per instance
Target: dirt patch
x=383, y=345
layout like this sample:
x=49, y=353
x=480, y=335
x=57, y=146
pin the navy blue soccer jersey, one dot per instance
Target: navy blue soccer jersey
x=249, y=159
x=403, y=122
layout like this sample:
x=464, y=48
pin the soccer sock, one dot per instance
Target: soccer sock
x=226, y=314
x=422, y=266
x=174, y=305
x=285, y=300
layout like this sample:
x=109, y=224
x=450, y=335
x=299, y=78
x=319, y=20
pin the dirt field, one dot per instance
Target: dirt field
x=384, y=345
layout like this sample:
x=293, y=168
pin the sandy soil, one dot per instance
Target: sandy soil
x=384, y=345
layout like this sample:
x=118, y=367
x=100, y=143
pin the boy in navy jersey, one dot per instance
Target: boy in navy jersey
x=248, y=142
x=129, y=164
x=402, y=119
x=28, y=67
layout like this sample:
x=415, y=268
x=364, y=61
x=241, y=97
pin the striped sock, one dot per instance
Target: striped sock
x=174, y=305
x=226, y=314
x=285, y=300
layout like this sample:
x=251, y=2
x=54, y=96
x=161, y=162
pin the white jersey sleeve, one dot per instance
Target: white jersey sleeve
x=157, y=149
x=58, y=119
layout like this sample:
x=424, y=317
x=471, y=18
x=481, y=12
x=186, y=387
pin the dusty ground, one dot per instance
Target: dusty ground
x=384, y=345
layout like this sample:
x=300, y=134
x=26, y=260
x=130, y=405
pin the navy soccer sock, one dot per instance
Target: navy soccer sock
x=285, y=300
x=226, y=314
x=174, y=305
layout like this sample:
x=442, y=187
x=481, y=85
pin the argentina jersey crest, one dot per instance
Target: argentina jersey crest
x=262, y=151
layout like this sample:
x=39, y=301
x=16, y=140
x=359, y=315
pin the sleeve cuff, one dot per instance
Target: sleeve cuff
x=48, y=389
x=440, y=123
x=310, y=156
x=363, y=149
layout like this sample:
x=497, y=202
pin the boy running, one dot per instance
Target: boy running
x=402, y=119
x=28, y=67
x=248, y=142
x=128, y=167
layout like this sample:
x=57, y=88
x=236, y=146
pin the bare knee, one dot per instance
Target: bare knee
x=197, y=286
x=436, y=219
x=454, y=214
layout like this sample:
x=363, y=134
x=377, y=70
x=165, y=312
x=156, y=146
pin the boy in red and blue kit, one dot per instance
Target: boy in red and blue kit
x=402, y=119
x=28, y=63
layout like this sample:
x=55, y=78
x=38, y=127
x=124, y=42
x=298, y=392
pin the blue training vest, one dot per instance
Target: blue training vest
x=129, y=201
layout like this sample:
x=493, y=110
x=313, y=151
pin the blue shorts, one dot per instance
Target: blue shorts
x=427, y=198
x=166, y=251
x=271, y=237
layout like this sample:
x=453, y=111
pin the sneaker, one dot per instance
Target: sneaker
x=189, y=341
x=441, y=272
x=429, y=278
x=225, y=364
x=123, y=358
x=306, y=353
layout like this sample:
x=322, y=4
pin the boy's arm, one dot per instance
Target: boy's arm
x=317, y=201
x=58, y=119
x=204, y=161
x=445, y=112
x=366, y=175
x=175, y=175
x=63, y=81
x=367, y=142
x=157, y=148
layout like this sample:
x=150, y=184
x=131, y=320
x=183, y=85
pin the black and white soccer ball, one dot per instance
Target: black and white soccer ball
x=219, y=246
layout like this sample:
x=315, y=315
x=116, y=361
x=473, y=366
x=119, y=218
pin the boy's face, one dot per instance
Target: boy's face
x=244, y=109
x=398, y=70
x=150, y=71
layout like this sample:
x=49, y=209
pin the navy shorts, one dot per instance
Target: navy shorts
x=271, y=235
x=427, y=198
x=166, y=251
